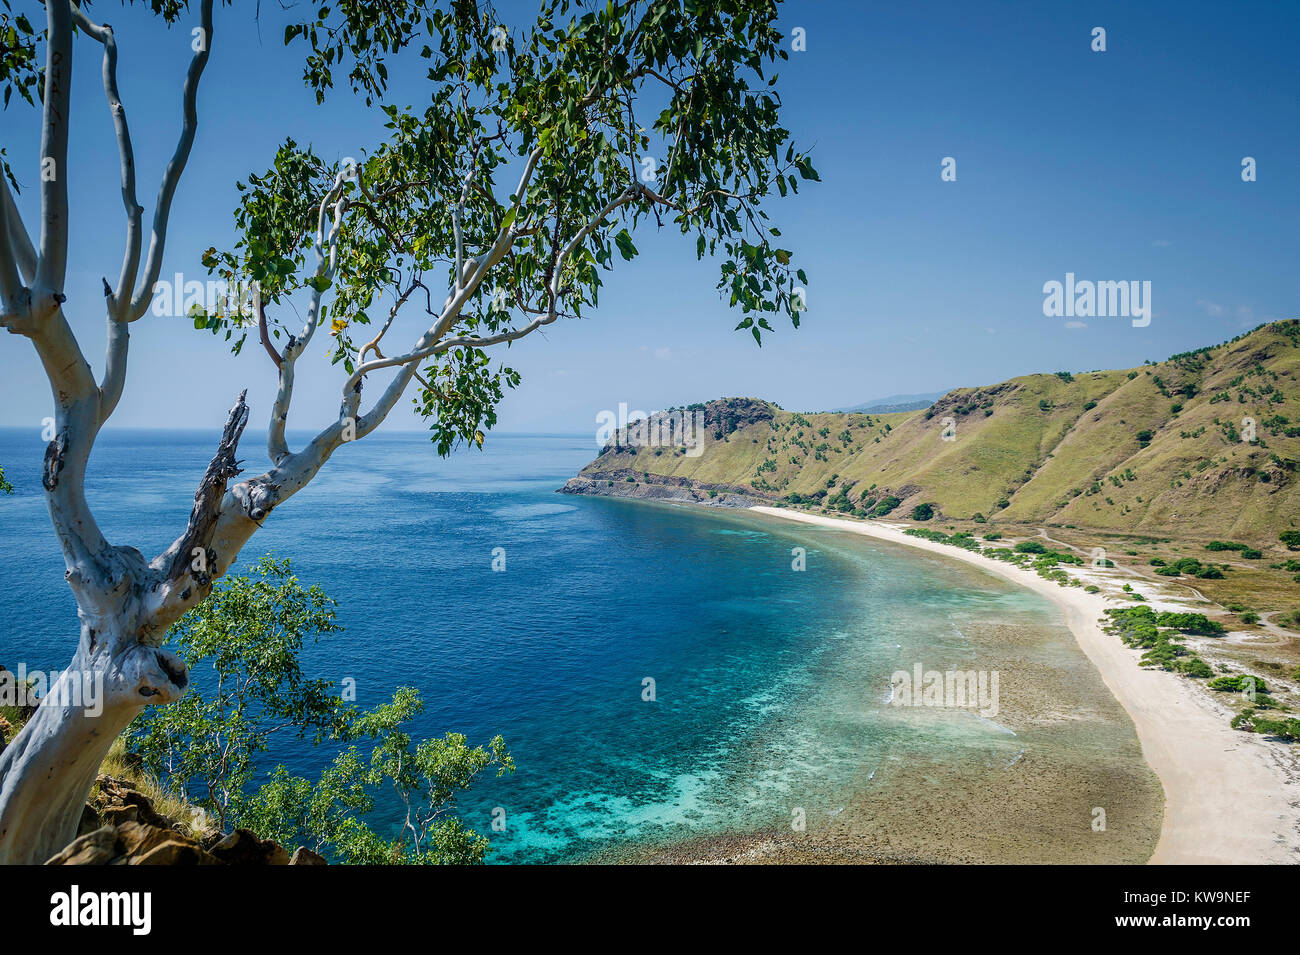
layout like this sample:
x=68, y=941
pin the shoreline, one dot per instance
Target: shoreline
x=1229, y=795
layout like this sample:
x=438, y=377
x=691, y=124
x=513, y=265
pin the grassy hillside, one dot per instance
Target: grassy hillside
x=1157, y=449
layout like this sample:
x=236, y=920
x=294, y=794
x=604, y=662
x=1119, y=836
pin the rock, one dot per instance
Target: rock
x=90, y=820
x=119, y=815
x=133, y=844
x=119, y=802
x=94, y=848
x=121, y=827
x=613, y=482
x=167, y=847
x=242, y=847
x=304, y=856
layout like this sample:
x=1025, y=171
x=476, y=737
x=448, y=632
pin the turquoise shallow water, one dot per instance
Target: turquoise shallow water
x=771, y=685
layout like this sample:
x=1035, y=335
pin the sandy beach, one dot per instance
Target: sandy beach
x=1230, y=797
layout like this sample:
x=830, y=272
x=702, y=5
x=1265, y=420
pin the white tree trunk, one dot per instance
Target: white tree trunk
x=126, y=605
x=49, y=768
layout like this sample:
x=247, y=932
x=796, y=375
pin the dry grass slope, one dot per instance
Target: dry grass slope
x=1157, y=449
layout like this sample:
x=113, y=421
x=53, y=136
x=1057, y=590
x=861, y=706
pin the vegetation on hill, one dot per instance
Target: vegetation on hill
x=1208, y=440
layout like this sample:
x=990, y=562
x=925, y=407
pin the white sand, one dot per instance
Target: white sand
x=1230, y=797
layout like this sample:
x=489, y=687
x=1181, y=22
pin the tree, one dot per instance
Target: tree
x=5, y=486
x=248, y=632
x=425, y=777
x=514, y=188
x=205, y=747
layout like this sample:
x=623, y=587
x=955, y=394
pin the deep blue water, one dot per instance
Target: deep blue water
x=770, y=683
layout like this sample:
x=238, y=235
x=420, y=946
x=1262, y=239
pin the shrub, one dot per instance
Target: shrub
x=1287, y=729
x=1237, y=684
x=1291, y=539
x=1189, y=622
x=1184, y=565
x=1030, y=547
x=885, y=505
x=923, y=512
x=1195, y=667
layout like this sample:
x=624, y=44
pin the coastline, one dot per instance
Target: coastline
x=1229, y=796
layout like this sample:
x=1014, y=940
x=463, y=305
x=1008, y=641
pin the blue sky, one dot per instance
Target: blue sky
x=1123, y=165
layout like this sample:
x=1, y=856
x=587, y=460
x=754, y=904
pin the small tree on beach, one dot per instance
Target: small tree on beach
x=482, y=217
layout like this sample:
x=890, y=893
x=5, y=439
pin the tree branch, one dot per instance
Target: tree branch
x=14, y=237
x=119, y=298
x=438, y=347
x=263, y=334
x=52, y=265
x=172, y=175
x=179, y=583
x=326, y=261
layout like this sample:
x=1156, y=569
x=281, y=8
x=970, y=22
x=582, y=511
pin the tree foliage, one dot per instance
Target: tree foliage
x=245, y=640
x=614, y=116
x=426, y=777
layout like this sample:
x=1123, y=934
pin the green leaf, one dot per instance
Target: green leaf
x=625, y=246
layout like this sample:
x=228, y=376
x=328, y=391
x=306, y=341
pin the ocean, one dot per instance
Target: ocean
x=770, y=684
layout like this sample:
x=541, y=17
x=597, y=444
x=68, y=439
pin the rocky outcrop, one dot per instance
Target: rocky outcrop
x=242, y=847
x=304, y=856
x=134, y=843
x=120, y=826
x=624, y=482
x=711, y=421
x=116, y=802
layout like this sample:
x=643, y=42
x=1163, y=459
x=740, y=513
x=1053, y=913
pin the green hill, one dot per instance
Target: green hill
x=1159, y=449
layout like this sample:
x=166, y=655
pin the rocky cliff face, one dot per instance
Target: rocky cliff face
x=678, y=433
x=657, y=487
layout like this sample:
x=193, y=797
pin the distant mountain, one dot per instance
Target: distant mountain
x=1162, y=448
x=895, y=403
